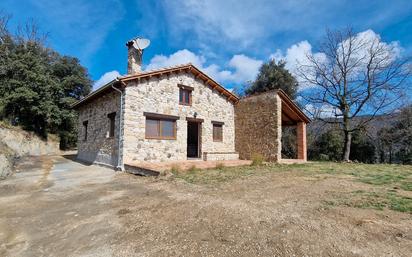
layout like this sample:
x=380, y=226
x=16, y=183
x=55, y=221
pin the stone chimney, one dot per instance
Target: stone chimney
x=134, y=59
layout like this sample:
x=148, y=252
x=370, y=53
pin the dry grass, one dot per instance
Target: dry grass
x=388, y=182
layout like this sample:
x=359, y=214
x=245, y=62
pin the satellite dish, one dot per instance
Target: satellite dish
x=140, y=43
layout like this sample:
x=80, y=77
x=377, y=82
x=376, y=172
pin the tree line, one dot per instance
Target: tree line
x=38, y=85
x=388, y=139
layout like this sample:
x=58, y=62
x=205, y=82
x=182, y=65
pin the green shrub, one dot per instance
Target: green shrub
x=257, y=159
x=323, y=157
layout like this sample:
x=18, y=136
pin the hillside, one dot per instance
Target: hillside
x=317, y=127
x=16, y=143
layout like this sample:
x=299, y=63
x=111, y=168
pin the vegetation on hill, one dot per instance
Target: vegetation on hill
x=38, y=85
x=387, y=139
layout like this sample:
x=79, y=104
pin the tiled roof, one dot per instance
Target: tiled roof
x=157, y=73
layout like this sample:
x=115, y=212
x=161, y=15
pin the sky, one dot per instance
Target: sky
x=229, y=40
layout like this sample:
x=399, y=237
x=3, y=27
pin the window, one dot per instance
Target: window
x=85, y=123
x=185, y=95
x=112, y=118
x=217, y=131
x=157, y=128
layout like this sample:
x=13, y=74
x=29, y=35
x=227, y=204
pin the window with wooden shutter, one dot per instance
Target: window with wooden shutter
x=158, y=128
x=185, y=95
x=217, y=131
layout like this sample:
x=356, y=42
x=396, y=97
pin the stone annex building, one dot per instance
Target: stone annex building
x=179, y=113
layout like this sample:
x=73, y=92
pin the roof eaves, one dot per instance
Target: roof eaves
x=92, y=94
x=298, y=110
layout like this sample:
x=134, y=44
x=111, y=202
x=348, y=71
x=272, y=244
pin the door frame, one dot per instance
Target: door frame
x=199, y=134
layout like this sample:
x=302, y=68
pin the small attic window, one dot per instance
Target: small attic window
x=185, y=95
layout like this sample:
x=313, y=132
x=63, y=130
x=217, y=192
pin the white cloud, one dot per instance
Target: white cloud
x=106, y=78
x=243, y=22
x=246, y=68
x=297, y=54
x=241, y=68
x=240, y=24
x=322, y=111
x=178, y=58
x=384, y=53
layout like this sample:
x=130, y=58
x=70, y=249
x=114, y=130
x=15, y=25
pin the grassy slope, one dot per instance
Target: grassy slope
x=390, y=185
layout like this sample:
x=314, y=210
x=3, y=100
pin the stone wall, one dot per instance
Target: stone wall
x=211, y=156
x=258, y=121
x=99, y=147
x=161, y=95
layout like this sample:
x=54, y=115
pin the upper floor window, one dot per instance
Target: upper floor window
x=112, y=118
x=185, y=95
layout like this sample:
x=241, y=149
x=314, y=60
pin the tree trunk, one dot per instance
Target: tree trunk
x=346, y=149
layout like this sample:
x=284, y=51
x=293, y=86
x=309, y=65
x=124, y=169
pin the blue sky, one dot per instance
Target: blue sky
x=227, y=39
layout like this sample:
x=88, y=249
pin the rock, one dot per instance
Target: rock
x=6, y=166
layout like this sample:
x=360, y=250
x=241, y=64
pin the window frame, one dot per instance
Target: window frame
x=188, y=90
x=160, y=118
x=217, y=124
x=112, y=124
x=85, y=126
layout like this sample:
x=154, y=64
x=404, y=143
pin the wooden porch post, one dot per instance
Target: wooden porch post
x=301, y=140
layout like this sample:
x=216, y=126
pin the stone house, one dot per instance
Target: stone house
x=179, y=113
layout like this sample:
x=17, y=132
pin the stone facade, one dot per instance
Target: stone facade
x=161, y=95
x=99, y=147
x=258, y=127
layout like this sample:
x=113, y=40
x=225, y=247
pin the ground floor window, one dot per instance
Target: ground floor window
x=112, y=118
x=217, y=131
x=85, y=124
x=157, y=128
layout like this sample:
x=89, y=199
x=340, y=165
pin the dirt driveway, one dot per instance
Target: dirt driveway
x=54, y=206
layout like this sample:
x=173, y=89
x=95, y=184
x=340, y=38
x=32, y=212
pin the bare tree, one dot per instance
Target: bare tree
x=4, y=20
x=354, y=75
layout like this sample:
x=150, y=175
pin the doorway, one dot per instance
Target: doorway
x=193, y=139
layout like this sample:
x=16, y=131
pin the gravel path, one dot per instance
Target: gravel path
x=54, y=206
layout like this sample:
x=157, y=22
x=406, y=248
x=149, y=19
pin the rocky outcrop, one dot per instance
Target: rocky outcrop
x=27, y=143
x=15, y=143
x=7, y=157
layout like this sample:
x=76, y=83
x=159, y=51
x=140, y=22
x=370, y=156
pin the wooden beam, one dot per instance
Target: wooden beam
x=160, y=116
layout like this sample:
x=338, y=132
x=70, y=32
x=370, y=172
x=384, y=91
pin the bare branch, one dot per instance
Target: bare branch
x=360, y=76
